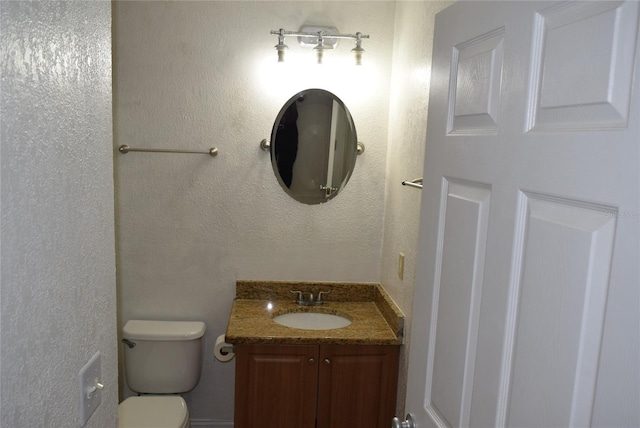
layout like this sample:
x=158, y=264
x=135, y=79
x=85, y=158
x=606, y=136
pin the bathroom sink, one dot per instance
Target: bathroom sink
x=312, y=320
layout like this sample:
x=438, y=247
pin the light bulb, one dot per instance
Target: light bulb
x=358, y=51
x=320, y=48
x=281, y=47
x=358, y=55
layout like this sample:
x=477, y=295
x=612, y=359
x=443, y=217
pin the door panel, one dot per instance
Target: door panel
x=528, y=288
x=476, y=71
x=566, y=255
x=592, y=91
x=465, y=211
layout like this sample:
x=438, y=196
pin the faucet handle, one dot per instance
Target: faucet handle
x=300, y=299
x=320, y=293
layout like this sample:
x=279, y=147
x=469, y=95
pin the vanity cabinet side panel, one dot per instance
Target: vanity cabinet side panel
x=276, y=386
x=357, y=386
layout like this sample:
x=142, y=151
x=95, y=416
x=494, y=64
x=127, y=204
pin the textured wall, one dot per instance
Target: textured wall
x=57, y=234
x=413, y=41
x=196, y=74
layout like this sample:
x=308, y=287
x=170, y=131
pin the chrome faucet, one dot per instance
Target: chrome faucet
x=311, y=300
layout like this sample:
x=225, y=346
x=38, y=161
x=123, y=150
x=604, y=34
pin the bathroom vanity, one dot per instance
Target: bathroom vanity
x=302, y=378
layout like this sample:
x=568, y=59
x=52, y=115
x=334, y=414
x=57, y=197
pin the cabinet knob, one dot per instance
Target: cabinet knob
x=311, y=360
x=327, y=361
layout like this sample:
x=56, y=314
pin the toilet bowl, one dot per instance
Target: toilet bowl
x=163, y=358
x=154, y=411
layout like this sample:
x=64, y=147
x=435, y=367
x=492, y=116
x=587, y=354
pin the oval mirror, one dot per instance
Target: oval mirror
x=313, y=146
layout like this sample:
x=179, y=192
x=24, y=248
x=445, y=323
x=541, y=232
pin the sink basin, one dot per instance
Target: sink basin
x=312, y=320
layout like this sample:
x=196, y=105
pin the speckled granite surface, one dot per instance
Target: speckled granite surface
x=281, y=290
x=390, y=311
x=375, y=319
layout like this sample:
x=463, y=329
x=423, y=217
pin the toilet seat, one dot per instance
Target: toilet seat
x=153, y=411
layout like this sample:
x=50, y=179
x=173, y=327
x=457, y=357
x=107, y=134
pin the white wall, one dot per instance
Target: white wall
x=58, y=304
x=197, y=74
x=413, y=40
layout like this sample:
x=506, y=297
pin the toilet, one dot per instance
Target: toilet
x=162, y=359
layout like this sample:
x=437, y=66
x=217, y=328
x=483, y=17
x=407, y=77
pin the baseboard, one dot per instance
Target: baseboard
x=211, y=423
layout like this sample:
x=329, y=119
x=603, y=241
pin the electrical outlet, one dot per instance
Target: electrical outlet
x=89, y=380
x=401, y=266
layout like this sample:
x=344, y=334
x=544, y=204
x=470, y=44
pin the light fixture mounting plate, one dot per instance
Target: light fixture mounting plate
x=312, y=41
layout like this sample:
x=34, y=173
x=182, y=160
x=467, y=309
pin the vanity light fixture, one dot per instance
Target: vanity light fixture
x=321, y=38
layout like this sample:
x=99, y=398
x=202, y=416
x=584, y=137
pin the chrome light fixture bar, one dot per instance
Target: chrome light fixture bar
x=322, y=38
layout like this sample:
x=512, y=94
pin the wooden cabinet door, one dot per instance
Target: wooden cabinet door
x=276, y=386
x=357, y=386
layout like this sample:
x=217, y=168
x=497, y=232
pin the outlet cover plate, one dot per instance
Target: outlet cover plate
x=90, y=396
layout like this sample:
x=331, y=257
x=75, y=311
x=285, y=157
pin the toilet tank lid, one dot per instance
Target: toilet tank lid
x=163, y=330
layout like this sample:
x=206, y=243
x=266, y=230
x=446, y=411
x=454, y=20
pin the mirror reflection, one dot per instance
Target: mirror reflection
x=313, y=146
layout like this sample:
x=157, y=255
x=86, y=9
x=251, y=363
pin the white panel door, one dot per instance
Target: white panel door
x=527, y=302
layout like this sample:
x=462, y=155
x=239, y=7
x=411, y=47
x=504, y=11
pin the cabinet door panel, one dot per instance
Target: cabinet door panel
x=357, y=386
x=275, y=386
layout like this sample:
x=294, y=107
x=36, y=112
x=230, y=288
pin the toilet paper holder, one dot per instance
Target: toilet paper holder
x=226, y=350
x=223, y=351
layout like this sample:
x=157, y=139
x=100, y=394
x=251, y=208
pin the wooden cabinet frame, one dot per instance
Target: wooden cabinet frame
x=315, y=386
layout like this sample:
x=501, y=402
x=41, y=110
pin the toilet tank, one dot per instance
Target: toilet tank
x=162, y=357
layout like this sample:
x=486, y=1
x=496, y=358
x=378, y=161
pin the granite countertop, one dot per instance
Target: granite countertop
x=375, y=319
